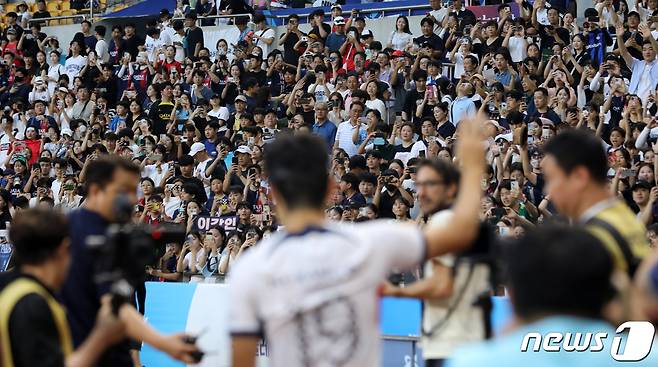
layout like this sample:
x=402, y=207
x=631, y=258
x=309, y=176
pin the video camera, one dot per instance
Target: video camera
x=123, y=252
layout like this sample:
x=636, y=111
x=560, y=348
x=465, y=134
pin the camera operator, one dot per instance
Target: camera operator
x=449, y=287
x=107, y=179
x=36, y=332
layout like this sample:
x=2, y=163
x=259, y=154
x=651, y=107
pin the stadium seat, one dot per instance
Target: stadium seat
x=51, y=6
x=9, y=7
x=66, y=5
x=33, y=7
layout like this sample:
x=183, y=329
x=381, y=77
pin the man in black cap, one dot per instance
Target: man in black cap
x=634, y=48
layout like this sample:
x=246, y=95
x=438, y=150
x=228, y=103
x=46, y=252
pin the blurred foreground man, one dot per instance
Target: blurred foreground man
x=576, y=166
x=312, y=291
x=451, y=284
x=33, y=327
x=559, y=281
x=108, y=179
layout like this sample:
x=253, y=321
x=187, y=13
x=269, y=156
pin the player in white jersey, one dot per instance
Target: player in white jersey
x=312, y=291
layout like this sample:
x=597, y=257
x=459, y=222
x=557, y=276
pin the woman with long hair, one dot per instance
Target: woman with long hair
x=337, y=113
x=561, y=102
x=375, y=99
x=232, y=88
x=190, y=261
x=402, y=137
x=576, y=56
x=401, y=37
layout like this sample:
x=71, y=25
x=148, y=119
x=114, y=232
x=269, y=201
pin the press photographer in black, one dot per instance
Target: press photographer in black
x=107, y=179
x=33, y=327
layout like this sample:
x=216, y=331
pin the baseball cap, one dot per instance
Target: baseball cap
x=611, y=57
x=243, y=149
x=196, y=148
x=63, y=89
x=507, y=137
x=241, y=98
x=339, y=21
x=66, y=131
x=38, y=80
x=494, y=123
x=11, y=31
x=642, y=185
x=367, y=33
x=336, y=6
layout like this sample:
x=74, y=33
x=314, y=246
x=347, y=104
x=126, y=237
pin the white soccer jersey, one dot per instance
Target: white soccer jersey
x=313, y=295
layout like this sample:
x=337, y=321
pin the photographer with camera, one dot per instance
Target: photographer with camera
x=450, y=286
x=108, y=181
x=34, y=329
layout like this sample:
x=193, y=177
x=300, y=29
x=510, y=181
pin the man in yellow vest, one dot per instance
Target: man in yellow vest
x=575, y=169
x=33, y=326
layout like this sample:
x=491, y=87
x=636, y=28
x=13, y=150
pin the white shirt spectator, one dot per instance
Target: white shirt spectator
x=54, y=72
x=321, y=93
x=151, y=171
x=73, y=66
x=36, y=95
x=518, y=48
x=152, y=45
x=222, y=114
x=344, y=137
x=5, y=145
x=439, y=14
x=264, y=34
x=187, y=260
x=102, y=51
x=177, y=41
x=464, y=324
x=378, y=105
x=459, y=63
x=400, y=40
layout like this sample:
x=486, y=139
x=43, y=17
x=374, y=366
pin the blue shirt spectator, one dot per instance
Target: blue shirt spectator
x=323, y=127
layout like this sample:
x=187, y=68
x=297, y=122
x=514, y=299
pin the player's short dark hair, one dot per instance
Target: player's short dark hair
x=298, y=169
x=36, y=234
x=574, y=148
x=572, y=267
x=101, y=171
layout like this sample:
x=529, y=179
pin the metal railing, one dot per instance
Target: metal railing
x=372, y=10
x=62, y=17
x=227, y=16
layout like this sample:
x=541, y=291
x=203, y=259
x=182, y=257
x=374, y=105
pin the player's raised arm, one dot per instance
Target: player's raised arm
x=459, y=233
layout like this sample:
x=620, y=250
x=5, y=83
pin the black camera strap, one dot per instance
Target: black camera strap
x=453, y=307
x=632, y=262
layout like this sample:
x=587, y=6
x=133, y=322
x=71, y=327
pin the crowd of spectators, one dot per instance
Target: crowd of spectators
x=198, y=125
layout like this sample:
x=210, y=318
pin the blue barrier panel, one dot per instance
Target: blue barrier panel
x=167, y=306
x=400, y=317
x=501, y=315
x=195, y=308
